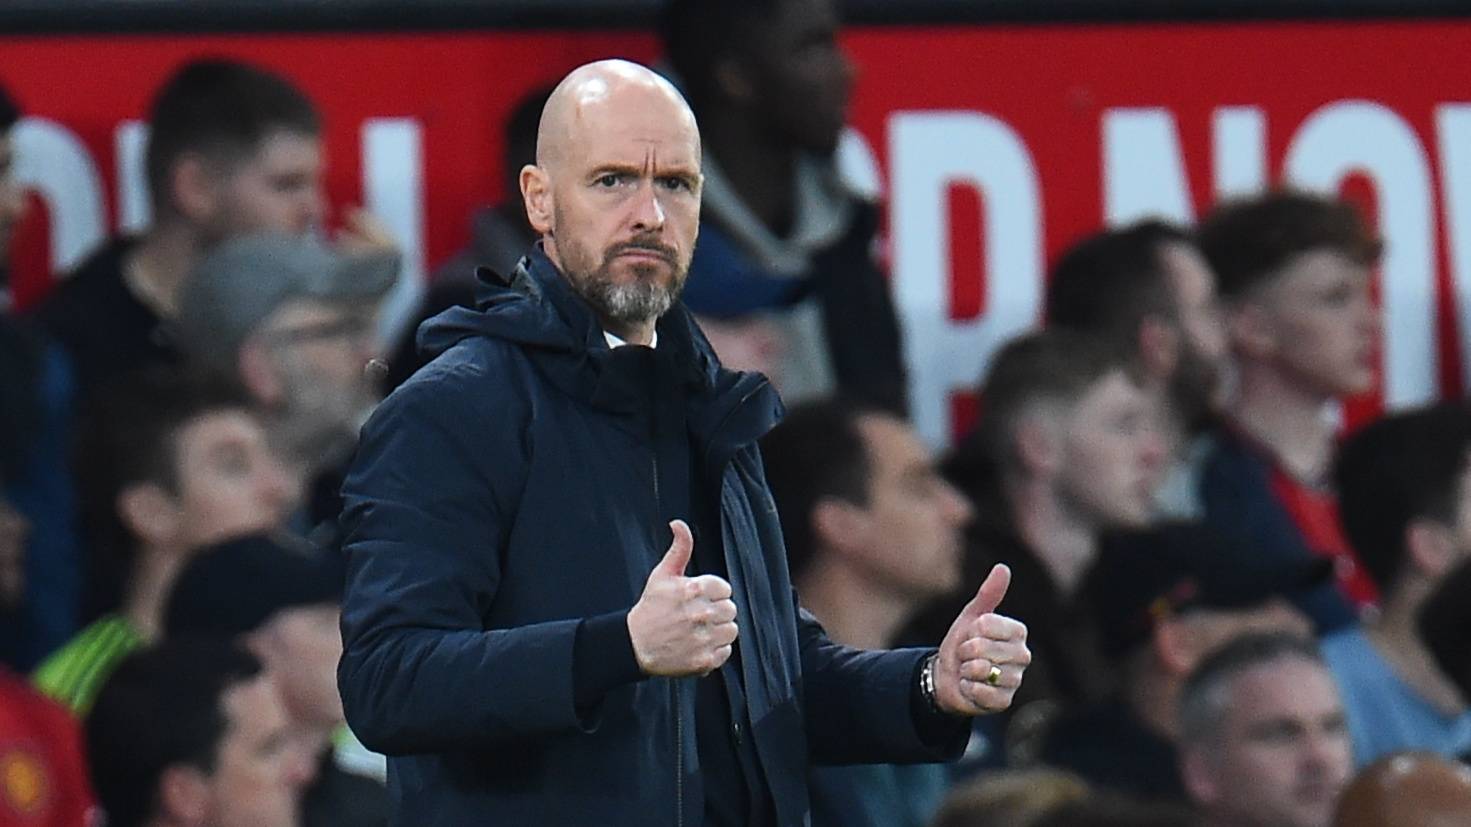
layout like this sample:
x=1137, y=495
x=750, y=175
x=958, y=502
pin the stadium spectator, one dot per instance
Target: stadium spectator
x=35, y=415
x=231, y=148
x=45, y=782
x=44, y=778
x=1408, y=790
x=193, y=734
x=787, y=250
x=1147, y=290
x=287, y=616
x=169, y=464
x=1016, y=798
x=1064, y=449
x=872, y=532
x=292, y=321
x=499, y=236
x=1164, y=599
x=1263, y=735
x=1445, y=629
x=1293, y=271
x=1404, y=484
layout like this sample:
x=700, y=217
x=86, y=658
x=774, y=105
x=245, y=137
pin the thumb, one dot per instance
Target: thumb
x=677, y=558
x=989, y=595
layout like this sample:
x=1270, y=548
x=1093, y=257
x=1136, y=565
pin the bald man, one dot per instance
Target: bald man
x=1408, y=789
x=567, y=597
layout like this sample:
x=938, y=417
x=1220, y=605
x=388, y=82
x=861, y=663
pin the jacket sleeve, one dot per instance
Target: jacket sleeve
x=859, y=704
x=426, y=508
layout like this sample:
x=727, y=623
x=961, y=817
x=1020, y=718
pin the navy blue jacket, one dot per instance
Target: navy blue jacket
x=498, y=500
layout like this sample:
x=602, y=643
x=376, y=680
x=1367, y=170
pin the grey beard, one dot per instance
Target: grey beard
x=636, y=303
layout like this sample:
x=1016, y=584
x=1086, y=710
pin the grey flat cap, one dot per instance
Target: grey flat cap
x=244, y=281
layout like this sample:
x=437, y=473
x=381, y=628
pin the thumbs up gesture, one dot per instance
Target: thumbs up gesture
x=984, y=654
x=681, y=625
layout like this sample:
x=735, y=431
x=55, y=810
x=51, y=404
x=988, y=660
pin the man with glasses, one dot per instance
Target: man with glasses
x=292, y=320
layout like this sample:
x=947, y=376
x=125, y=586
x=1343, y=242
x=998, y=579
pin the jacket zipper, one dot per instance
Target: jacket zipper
x=673, y=685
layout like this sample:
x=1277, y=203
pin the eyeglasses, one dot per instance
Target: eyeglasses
x=347, y=327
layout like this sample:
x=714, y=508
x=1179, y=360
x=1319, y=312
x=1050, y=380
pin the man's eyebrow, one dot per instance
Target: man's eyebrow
x=616, y=166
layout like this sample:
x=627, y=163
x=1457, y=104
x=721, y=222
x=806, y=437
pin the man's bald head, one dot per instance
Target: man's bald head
x=1408, y=790
x=615, y=191
x=594, y=92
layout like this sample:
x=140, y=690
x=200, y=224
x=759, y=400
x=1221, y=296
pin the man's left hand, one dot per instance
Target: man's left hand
x=983, y=655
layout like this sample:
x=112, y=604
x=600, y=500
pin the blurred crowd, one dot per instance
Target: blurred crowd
x=1241, y=612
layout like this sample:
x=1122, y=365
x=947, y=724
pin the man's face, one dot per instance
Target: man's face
x=229, y=481
x=257, y=778
x=1112, y=454
x=1284, y=753
x=911, y=527
x=302, y=645
x=801, y=78
x=1320, y=323
x=625, y=203
x=1196, y=385
x=319, y=352
x=278, y=189
x=12, y=196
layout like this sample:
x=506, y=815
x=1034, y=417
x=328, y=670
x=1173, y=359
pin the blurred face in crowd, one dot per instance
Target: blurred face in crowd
x=616, y=194
x=1315, y=324
x=229, y=483
x=314, y=371
x=278, y=188
x=908, y=535
x=12, y=196
x=1112, y=454
x=797, y=76
x=1197, y=380
x=301, y=646
x=1282, y=753
x=257, y=777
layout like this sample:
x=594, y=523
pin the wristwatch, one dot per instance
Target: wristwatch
x=927, y=681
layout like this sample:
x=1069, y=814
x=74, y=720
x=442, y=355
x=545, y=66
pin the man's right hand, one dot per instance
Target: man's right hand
x=681, y=625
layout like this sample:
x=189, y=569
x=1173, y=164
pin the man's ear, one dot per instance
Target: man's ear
x=1159, y=347
x=1038, y=444
x=536, y=192
x=838, y=525
x=1195, y=772
x=1430, y=547
x=183, y=796
x=1250, y=327
x=148, y=512
x=258, y=372
x=194, y=187
x=1174, y=645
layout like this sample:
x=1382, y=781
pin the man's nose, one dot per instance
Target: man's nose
x=648, y=213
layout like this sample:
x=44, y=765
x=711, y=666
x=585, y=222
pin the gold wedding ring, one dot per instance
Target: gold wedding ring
x=993, y=678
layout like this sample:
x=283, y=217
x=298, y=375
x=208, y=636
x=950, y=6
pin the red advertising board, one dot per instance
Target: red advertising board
x=993, y=146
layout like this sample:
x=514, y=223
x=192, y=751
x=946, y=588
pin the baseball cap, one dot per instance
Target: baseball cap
x=233, y=587
x=245, y=279
x=1141, y=577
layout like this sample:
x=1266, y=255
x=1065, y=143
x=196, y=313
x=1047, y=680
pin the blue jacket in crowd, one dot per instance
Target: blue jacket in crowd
x=498, y=507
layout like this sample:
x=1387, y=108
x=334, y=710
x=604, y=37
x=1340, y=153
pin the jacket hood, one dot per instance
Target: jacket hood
x=536, y=310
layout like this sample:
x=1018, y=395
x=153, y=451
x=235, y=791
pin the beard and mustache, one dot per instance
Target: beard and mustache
x=643, y=299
